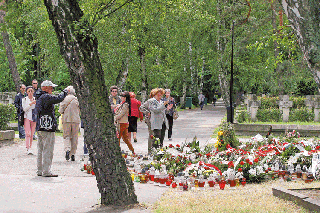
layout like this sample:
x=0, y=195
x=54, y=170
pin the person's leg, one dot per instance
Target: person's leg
x=22, y=133
x=48, y=147
x=134, y=129
x=150, y=140
x=40, y=151
x=125, y=137
x=156, y=134
x=74, y=138
x=33, y=129
x=162, y=134
x=27, y=129
x=67, y=139
x=170, y=121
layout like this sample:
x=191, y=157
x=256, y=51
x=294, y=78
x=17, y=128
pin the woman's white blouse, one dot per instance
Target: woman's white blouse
x=27, y=108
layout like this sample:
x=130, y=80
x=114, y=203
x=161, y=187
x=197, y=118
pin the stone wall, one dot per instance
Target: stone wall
x=7, y=97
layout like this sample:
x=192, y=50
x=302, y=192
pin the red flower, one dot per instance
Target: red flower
x=177, y=145
x=318, y=147
x=240, y=170
x=208, y=155
x=247, y=160
x=200, y=164
x=256, y=160
x=250, y=163
x=241, y=162
x=170, y=146
x=151, y=136
x=230, y=164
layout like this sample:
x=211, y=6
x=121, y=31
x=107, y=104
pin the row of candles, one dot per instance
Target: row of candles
x=183, y=182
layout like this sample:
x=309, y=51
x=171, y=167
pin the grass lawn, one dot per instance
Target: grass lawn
x=251, y=198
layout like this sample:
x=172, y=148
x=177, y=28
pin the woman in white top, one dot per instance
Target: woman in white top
x=28, y=105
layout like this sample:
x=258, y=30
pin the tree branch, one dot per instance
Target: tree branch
x=110, y=13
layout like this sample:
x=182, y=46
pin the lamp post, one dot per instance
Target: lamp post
x=230, y=110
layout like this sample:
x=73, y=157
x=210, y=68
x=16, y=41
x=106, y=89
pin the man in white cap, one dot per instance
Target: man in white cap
x=46, y=127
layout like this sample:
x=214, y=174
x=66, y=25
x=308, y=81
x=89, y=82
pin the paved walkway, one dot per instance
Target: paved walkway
x=75, y=191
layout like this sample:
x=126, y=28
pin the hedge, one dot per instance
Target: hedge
x=7, y=114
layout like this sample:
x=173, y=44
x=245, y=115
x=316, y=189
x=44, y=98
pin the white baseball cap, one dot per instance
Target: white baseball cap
x=48, y=83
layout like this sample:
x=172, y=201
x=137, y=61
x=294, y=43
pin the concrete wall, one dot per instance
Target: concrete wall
x=277, y=129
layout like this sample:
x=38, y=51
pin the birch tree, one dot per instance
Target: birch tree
x=303, y=16
x=79, y=48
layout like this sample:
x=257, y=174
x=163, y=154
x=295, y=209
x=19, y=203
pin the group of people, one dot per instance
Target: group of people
x=36, y=112
x=158, y=112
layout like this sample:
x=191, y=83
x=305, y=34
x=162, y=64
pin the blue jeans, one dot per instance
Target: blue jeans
x=22, y=133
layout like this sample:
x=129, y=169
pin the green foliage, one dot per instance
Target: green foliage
x=243, y=116
x=301, y=114
x=7, y=114
x=269, y=103
x=226, y=136
x=269, y=115
x=298, y=101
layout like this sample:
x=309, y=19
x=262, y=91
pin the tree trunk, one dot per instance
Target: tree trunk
x=202, y=73
x=184, y=91
x=142, y=53
x=221, y=46
x=303, y=16
x=79, y=47
x=191, y=70
x=278, y=71
x=11, y=59
x=123, y=74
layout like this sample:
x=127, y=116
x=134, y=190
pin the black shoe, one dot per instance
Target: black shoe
x=50, y=175
x=67, y=155
x=135, y=140
x=72, y=158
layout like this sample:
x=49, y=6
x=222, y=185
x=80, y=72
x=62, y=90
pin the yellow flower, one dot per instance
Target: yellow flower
x=220, y=133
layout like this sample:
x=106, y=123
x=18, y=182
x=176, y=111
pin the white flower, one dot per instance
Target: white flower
x=253, y=172
x=259, y=170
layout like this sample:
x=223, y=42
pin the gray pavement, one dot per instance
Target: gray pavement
x=75, y=191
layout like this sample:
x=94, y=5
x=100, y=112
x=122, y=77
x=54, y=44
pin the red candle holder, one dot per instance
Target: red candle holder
x=232, y=183
x=211, y=183
x=222, y=184
x=174, y=185
x=201, y=184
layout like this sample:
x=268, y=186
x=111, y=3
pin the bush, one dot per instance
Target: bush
x=269, y=115
x=7, y=114
x=243, y=116
x=298, y=102
x=302, y=114
x=269, y=103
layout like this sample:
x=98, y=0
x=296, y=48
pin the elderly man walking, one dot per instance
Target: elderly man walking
x=70, y=112
x=46, y=126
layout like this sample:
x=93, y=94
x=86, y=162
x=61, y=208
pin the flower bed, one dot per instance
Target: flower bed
x=256, y=160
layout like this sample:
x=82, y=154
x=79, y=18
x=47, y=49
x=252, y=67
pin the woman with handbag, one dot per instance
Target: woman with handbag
x=121, y=119
x=170, y=112
x=159, y=122
x=28, y=105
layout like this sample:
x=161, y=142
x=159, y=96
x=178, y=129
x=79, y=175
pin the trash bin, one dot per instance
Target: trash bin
x=189, y=102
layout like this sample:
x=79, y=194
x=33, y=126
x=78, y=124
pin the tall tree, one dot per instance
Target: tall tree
x=304, y=18
x=79, y=48
x=10, y=55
